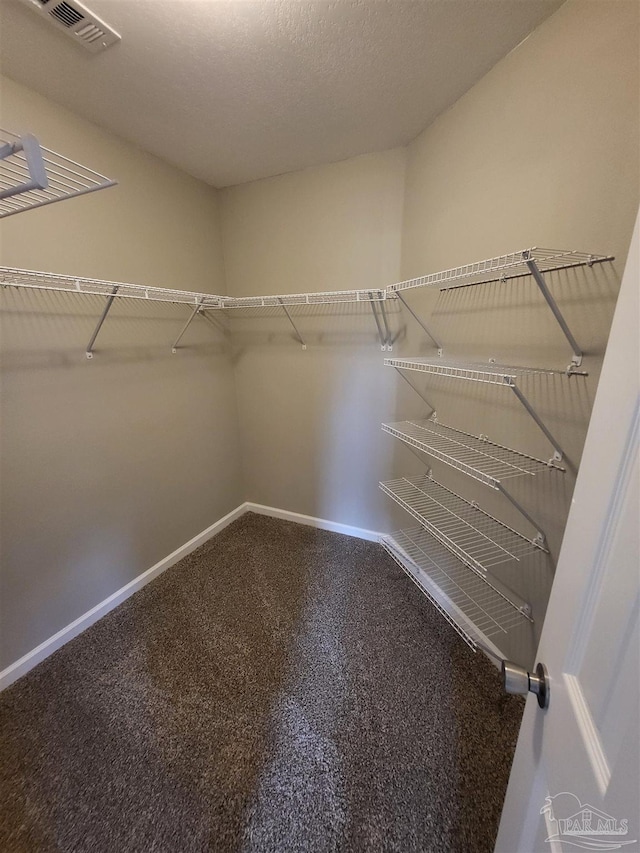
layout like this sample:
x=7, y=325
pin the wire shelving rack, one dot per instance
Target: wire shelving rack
x=457, y=543
x=501, y=268
x=32, y=176
x=473, y=455
x=14, y=277
x=480, y=614
x=533, y=262
x=478, y=539
x=199, y=302
x=329, y=297
x=490, y=374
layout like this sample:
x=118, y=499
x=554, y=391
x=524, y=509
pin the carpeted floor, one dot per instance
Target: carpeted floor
x=281, y=689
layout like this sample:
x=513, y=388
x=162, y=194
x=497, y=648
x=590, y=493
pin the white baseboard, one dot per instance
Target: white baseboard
x=312, y=521
x=37, y=655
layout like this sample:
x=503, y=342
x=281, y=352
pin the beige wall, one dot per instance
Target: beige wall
x=310, y=420
x=107, y=465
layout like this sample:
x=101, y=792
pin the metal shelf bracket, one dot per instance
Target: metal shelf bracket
x=381, y=332
x=295, y=328
x=417, y=391
x=385, y=322
x=30, y=147
x=32, y=176
x=196, y=310
x=419, y=321
x=533, y=268
x=103, y=317
x=540, y=539
x=558, y=452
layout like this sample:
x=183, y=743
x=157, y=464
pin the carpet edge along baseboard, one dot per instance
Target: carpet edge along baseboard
x=31, y=659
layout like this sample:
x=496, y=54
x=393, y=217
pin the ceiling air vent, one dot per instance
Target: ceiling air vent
x=66, y=14
x=77, y=21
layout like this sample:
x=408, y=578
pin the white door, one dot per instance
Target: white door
x=575, y=777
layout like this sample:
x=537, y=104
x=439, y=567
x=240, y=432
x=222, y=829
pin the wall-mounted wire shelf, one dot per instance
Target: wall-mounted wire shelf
x=374, y=298
x=11, y=276
x=470, y=541
x=473, y=455
x=112, y=290
x=330, y=297
x=533, y=262
x=200, y=302
x=501, y=268
x=32, y=176
x=480, y=614
x=475, y=537
x=494, y=374
x=491, y=374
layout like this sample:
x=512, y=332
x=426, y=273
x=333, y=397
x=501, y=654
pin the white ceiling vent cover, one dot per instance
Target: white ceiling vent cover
x=76, y=20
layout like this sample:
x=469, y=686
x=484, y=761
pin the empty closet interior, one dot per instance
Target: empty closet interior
x=318, y=268
x=172, y=350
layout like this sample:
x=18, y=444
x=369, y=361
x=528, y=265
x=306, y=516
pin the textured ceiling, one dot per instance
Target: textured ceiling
x=235, y=90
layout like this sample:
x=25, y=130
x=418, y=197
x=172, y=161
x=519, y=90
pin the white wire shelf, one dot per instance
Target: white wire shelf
x=493, y=374
x=329, y=297
x=473, y=455
x=480, y=614
x=481, y=541
x=57, y=178
x=10, y=276
x=77, y=284
x=502, y=268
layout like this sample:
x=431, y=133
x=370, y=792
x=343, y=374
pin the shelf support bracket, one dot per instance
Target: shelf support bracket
x=419, y=321
x=295, y=328
x=103, y=317
x=417, y=391
x=576, y=359
x=383, y=340
x=540, y=540
x=385, y=321
x=198, y=306
x=558, y=454
x=30, y=147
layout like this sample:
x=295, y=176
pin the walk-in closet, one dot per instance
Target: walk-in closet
x=319, y=426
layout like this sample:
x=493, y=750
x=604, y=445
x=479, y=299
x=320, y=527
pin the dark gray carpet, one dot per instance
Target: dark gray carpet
x=281, y=689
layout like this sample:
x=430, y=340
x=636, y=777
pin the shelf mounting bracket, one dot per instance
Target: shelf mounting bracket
x=558, y=452
x=196, y=310
x=419, y=321
x=381, y=335
x=417, y=391
x=290, y=319
x=38, y=179
x=103, y=317
x=540, y=540
x=533, y=268
x=385, y=321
